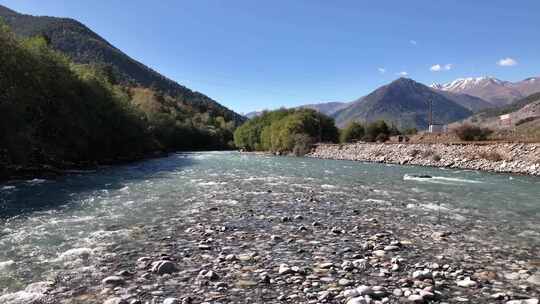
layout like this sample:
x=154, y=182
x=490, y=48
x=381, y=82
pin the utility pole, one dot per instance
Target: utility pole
x=430, y=118
x=320, y=126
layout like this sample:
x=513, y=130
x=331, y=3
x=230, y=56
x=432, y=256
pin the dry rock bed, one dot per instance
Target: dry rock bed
x=312, y=249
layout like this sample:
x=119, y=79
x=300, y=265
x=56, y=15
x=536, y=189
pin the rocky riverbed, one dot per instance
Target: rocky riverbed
x=287, y=239
x=302, y=251
x=507, y=158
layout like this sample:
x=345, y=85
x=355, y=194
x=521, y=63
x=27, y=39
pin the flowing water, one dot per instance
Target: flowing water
x=44, y=223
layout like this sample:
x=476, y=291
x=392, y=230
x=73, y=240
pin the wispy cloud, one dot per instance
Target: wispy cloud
x=439, y=68
x=403, y=74
x=506, y=62
x=413, y=42
x=381, y=70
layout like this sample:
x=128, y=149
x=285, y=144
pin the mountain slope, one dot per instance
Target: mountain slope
x=528, y=86
x=327, y=108
x=493, y=90
x=404, y=104
x=472, y=103
x=82, y=45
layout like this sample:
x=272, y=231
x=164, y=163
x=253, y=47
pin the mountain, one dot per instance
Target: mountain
x=493, y=90
x=404, y=104
x=328, y=108
x=528, y=86
x=472, y=103
x=253, y=114
x=84, y=46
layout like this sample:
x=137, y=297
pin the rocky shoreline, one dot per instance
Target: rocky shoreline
x=519, y=158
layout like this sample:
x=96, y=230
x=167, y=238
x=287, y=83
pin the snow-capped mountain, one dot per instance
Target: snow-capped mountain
x=491, y=89
x=496, y=91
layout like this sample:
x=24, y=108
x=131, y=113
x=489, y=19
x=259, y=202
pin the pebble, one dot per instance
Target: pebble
x=113, y=280
x=164, y=267
x=467, y=283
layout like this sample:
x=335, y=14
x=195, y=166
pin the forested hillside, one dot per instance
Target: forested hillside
x=84, y=46
x=54, y=112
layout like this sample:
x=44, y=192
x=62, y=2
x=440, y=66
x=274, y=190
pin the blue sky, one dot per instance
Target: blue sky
x=251, y=55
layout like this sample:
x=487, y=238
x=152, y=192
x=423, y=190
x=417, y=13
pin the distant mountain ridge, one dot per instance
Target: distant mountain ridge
x=497, y=92
x=404, y=104
x=327, y=108
x=82, y=45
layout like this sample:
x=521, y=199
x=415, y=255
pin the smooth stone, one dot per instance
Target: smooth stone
x=326, y=265
x=379, y=253
x=164, y=267
x=466, y=283
x=534, y=279
x=113, y=280
x=364, y=290
x=422, y=274
x=171, y=301
x=284, y=269
x=416, y=298
x=357, y=300
x=345, y=282
x=527, y=301
x=350, y=293
x=115, y=301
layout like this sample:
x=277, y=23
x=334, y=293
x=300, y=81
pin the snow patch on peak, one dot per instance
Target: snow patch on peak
x=468, y=83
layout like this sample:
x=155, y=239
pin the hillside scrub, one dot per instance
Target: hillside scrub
x=377, y=131
x=285, y=131
x=468, y=132
x=55, y=112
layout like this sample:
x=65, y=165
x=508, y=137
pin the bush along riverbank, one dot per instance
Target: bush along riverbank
x=505, y=158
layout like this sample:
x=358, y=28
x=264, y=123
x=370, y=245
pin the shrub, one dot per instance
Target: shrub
x=353, y=132
x=303, y=144
x=468, y=132
x=526, y=120
x=377, y=131
x=382, y=137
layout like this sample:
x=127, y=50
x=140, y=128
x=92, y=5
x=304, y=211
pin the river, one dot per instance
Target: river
x=44, y=223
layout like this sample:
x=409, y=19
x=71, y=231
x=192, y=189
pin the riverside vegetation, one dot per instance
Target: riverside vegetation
x=55, y=113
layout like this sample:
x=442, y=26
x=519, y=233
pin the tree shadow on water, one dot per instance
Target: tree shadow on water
x=22, y=198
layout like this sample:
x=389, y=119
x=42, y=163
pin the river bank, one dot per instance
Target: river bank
x=244, y=228
x=504, y=158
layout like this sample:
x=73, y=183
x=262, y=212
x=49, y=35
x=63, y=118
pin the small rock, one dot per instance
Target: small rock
x=115, y=301
x=345, y=282
x=284, y=269
x=164, y=267
x=416, y=298
x=534, y=279
x=171, y=301
x=527, y=301
x=467, y=283
x=364, y=290
x=113, y=280
x=379, y=253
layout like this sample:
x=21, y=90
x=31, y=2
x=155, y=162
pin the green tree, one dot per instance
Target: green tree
x=352, y=132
